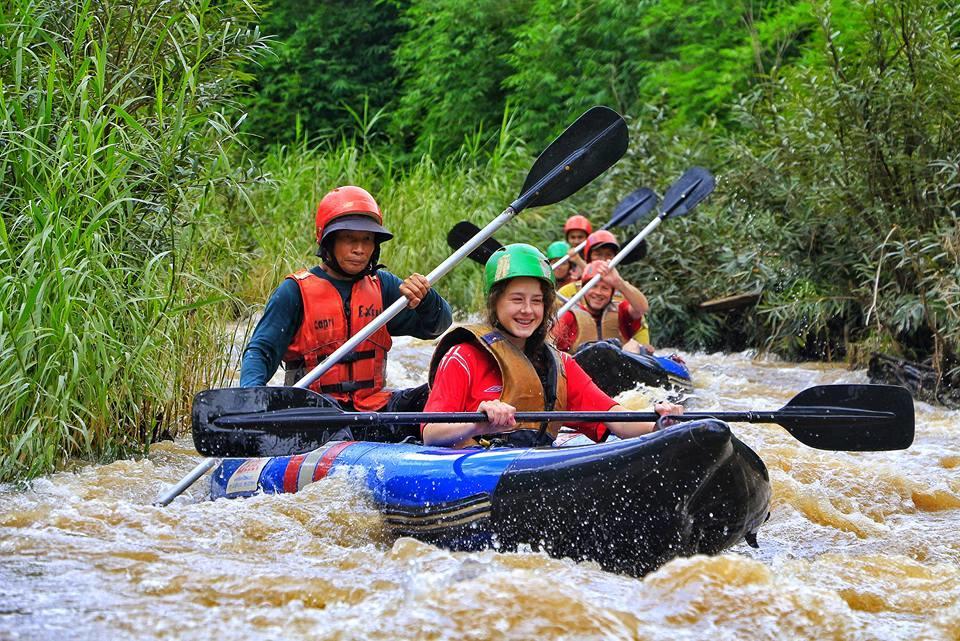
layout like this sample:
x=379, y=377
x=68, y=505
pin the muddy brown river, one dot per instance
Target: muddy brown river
x=858, y=546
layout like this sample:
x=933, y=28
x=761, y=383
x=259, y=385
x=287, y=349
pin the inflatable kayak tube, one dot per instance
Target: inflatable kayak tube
x=631, y=505
x=615, y=371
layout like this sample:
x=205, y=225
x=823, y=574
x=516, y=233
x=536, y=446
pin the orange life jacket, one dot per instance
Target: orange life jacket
x=359, y=377
x=591, y=328
x=521, y=384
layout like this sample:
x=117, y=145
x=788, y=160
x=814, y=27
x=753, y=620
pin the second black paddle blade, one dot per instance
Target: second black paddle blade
x=586, y=149
x=692, y=187
x=463, y=232
x=633, y=208
x=639, y=253
x=860, y=430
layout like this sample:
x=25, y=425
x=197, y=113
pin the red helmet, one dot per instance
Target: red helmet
x=577, y=222
x=352, y=208
x=598, y=239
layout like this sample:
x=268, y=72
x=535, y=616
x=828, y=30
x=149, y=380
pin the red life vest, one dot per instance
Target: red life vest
x=359, y=377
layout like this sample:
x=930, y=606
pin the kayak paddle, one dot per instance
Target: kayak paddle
x=273, y=421
x=464, y=230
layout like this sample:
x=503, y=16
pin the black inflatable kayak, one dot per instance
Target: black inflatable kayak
x=615, y=371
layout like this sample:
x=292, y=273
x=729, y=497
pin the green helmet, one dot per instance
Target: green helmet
x=518, y=259
x=558, y=249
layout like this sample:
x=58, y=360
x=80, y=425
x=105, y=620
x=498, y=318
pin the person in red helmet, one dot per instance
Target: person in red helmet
x=599, y=315
x=575, y=231
x=314, y=311
x=602, y=245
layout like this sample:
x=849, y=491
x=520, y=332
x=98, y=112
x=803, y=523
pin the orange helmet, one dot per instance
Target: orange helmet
x=577, y=222
x=352, y=208
x=599, y=238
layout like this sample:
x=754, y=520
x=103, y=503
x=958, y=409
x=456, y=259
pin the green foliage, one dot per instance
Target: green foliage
x=837, y=197
x=326, y=58
x=460, y=64
x=854, y=145
x=452, y=65
x=693, y=58
x=111, y=121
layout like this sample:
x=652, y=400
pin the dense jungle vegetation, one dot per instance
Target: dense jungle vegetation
x=160, y=164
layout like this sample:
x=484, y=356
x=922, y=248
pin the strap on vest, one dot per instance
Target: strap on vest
x=353, y=357
x=549, y=384
x=346, y=387
x=519, y=438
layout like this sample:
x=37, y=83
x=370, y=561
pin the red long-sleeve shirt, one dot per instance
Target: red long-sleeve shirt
x=468, y=375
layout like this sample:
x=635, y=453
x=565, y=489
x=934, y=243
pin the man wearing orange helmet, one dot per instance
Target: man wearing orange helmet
x=601, y=245
x=315, y=311
x=576, y=230
x=599, y=315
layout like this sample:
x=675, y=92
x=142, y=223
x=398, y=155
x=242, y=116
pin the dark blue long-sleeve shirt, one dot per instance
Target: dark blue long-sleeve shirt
x=284, y=314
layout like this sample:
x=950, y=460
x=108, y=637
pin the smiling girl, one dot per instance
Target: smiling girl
x=506, y=365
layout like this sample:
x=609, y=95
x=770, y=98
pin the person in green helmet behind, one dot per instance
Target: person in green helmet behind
x=507, y=365
x=564, y=273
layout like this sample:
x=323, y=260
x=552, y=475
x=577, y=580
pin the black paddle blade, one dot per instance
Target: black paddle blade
x=587, y=148
x=855, y=418
x=639, y=253
x=633, y=208
x=690, y=189
x=465, y=231
x=213, y=440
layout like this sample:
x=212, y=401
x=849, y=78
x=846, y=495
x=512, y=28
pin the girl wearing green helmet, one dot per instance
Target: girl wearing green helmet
x=507, y=365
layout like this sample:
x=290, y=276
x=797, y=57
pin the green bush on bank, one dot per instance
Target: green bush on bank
x=838, y=198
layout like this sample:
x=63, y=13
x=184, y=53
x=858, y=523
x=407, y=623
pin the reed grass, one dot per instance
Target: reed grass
x=112, y=135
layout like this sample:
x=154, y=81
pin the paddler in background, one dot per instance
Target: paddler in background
x=563, y=273
x=576, y=230
x=507, y=365
x=632, y=329
x=314, y=311
x=598, y=316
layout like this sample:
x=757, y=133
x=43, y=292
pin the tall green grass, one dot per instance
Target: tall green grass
x=112, y=138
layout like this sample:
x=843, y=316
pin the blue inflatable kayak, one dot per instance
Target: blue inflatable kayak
x=630, y=505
